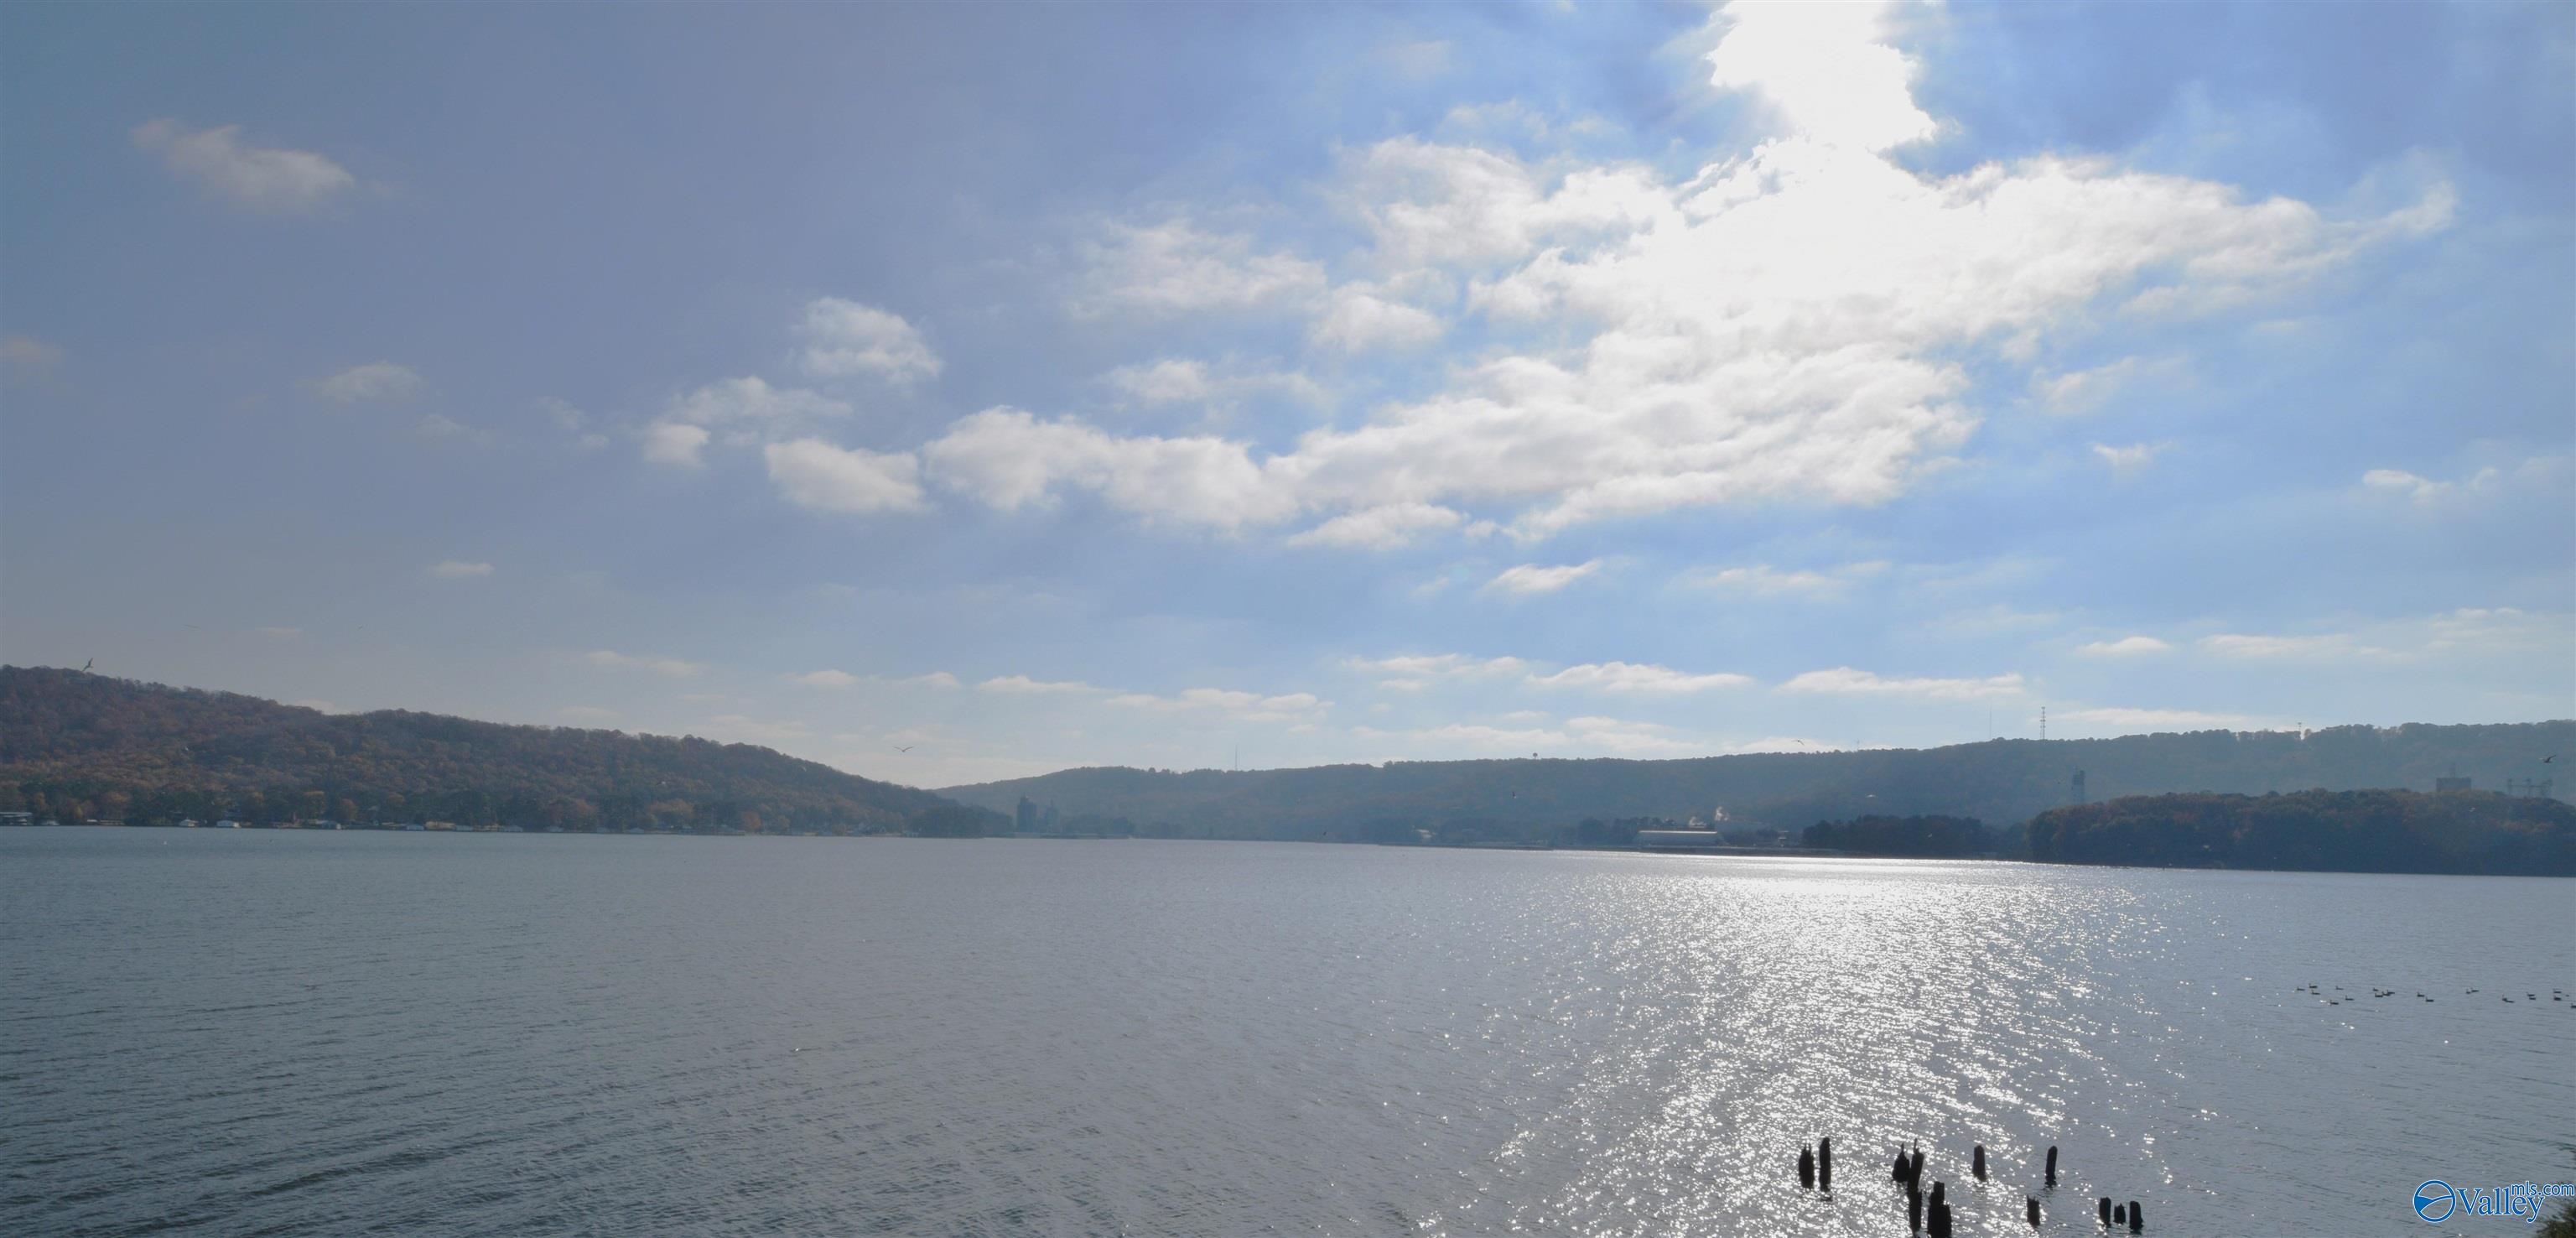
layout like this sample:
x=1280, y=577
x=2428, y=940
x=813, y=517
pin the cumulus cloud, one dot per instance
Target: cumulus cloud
x=2133, y=458
x=1172, y=268
x=377, y=382
x=670, y=668
x=1236, y=705
x=845, y=339
x=817, y=475
x=1764, y=580
x=1360, y=320
x=1022, y=685
x=1010, y=459
x=1530, y=579
x=674, y=443
x=1415, y=672
x=1381, y=528
x=1847, y=681
x=752, y=402
x=267, y=179
x=1798, y=323
x=1825, y=69
x=2125, y=647
x=2426, y=492
x=2331, y=646
x=1637, y=677
x=836, y=680
x=458, y=569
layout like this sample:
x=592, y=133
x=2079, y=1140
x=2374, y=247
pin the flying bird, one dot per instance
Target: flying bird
x=86, y=665
x=905, y=747
x=2547, y=759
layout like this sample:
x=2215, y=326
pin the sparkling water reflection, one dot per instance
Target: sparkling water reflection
x=325, y=1034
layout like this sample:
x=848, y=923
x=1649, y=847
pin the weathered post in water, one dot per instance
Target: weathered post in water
x=2103, y=1210
x=2137, y=1217
x=1940, y=1193
x=1913, y=1211
x=1940, y=1221
x=1914, y=1167
x=1898, y=1173
x=1806, y=1167
x=2119, y=1214
x=1825, y=1163
x=2052, y=1164
x=2030, y=1210
x=1977, y=1163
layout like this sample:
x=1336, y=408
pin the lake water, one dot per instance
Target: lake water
x=293, y=1033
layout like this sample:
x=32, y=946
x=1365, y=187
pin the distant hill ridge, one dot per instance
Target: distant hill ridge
x=2002, y=782
x=74, y=744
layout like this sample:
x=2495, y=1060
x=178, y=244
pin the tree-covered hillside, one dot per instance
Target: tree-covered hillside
x=76, y=745
x=1999, y=781
x=2349, y=831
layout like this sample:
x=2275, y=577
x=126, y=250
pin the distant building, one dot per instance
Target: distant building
x=17, y=818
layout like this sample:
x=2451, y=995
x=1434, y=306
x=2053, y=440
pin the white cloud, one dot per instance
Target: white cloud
x=377, y=382
x=1174, y=268
x=1022, y=685
x=2119, y=718
x=1009, y=459
x=440, y=426
x=669, y=442
x=1637, y=677
x=1764, y=580
x=1415, y=672
x=752, y=402
x=1846, y=681
x=1530, y=579
x=935, y=679
x=1826, y=70
x=2082, y=391
x=2427, y=492
x=458, y=569
x=2125, y=647
x=21, y=352
x=1381, y=528
x=671, y=668
x=837, y=680
x=2322, y=645
x=817, y=475
x=1172, y=380
x=2133, y=458
x=269, y=179
x=1237, y=705
x=845, y=339
x=1359, y=320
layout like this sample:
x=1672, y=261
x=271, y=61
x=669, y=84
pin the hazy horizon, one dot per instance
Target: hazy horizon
x=1182, y=387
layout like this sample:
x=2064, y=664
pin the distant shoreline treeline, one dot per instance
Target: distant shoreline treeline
x=77, y=746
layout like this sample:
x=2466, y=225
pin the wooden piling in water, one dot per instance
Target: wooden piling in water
x=1825, y=1163
x=1806, y=1167
x=2052, y=1164
x=1977, y=1163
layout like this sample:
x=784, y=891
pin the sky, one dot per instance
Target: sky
x=951, y=393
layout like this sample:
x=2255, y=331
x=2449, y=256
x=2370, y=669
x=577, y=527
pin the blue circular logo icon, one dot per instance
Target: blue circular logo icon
x=2434, y=1201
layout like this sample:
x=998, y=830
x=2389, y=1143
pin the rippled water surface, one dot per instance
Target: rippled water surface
x=284, y=1033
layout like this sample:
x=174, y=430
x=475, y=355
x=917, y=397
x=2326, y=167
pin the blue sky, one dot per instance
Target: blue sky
x=1038, y=386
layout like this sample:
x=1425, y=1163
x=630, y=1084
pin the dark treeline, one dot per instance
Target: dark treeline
x=76, y=746
x=2004, y=782
x=1911, y=836
x=2348, y=831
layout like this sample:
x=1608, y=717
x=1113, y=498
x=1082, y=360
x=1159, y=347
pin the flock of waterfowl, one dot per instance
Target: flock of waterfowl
x=2555, y=995
x=1930, y=1213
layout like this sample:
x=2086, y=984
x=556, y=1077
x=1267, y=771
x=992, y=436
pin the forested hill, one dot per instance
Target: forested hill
x=2476, y=832
x=2004, y=782
x=78, y=745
